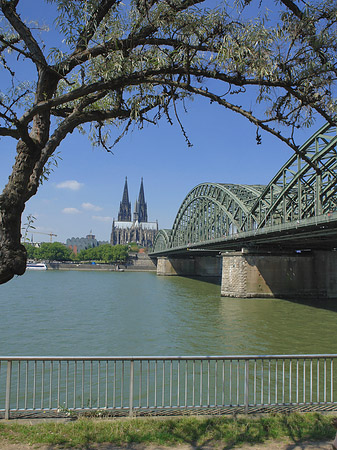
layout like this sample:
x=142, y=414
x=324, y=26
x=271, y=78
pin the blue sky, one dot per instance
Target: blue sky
x=84, y=192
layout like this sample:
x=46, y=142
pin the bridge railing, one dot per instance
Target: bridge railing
x=166, y=385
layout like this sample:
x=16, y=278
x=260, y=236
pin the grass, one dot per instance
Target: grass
x=173, y=431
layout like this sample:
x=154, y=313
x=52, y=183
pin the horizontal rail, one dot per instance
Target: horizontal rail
x=166, y=358
x=133, y=384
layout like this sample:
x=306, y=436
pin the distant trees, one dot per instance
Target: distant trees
x=49, y=251
x=30, y=251
x=105, y=253
x=59, y=252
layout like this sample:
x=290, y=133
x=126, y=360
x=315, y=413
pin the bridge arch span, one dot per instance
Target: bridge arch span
x=302, y=189
x=162, y=240
x=211, y=211
x=277, y=240
x=302, y=193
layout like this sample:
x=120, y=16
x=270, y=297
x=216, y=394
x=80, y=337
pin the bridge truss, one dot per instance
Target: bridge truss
x=303, y=189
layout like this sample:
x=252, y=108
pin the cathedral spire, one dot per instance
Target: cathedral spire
x=124, y=214
x=141, y=197
x=125, y=198
x=141, y=204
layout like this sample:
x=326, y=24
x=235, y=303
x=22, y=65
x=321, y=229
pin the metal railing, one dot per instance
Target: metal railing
x=164, y=385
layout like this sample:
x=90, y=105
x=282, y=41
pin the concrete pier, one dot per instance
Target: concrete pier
x=198, y=266
x=262, y=273
x=249, y=274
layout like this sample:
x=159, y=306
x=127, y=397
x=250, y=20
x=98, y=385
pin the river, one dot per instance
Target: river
x=127, y=314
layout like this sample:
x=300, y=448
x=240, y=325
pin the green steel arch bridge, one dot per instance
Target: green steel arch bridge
x=297, y=210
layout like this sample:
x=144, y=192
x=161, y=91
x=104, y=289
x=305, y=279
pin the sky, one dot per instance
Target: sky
x=83, y=194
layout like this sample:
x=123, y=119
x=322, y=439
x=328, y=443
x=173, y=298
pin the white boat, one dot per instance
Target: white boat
x=36, y=266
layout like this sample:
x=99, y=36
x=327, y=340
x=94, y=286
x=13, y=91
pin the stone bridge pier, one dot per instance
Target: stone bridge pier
x=197, y=266
x=262, y=274
x=294, y=275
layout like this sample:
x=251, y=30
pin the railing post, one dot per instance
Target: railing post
x=8, y=390
x=131, y=389
x=246, y=399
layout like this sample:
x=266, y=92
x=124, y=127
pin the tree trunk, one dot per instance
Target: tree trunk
x=13, y=255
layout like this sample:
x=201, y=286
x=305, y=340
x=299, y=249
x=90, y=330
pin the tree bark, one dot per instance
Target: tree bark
x=13, y=255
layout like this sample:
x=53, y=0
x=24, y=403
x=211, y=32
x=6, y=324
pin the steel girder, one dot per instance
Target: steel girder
x=301, y=190
x=162, y=240
x=213, y=211
x=298, y=192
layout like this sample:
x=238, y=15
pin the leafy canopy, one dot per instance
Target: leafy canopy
x=118, y=63
x=49, y=252
x=106, y=253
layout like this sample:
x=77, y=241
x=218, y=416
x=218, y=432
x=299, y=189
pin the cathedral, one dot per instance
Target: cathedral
x=136, y=229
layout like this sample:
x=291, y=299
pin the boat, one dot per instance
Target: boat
x=36, y=266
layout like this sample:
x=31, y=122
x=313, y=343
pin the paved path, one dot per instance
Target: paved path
x=322, y=445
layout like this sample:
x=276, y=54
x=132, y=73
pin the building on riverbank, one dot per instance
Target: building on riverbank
x=138, y=229
x=78, y=244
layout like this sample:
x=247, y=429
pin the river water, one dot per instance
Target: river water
x=58, y=313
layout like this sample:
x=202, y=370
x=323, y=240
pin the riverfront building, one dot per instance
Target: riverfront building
x=78, y=244
x=136, y=229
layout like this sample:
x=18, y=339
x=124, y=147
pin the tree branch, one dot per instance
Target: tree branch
x=311, y=37
x=132, y=41
x=248, y=115
x=8, y=43
x=67, y=126
x=293, y=7
x=137, y=78
x=8, y=9
x=4, y=131
x=96, y=18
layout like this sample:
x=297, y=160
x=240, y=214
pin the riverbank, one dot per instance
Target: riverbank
x=304, y=431
x=98, y=267
x=136, y=263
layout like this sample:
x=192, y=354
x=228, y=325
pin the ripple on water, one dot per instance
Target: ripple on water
x=93, y=313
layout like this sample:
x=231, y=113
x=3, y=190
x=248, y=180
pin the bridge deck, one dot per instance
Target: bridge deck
x=318, y=232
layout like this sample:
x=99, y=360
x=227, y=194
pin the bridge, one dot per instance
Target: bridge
x=263, y=241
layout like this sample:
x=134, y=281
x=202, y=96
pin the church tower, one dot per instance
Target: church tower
x=124, y=214
x=140, y=213
x=138, y=230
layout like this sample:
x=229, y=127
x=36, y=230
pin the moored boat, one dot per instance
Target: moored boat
x=36, y=266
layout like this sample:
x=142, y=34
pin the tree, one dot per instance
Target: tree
x=89, y=254
x=52, y=252
x=30, y=250
x=132, y=62
x=120, y=252
x=106, y=252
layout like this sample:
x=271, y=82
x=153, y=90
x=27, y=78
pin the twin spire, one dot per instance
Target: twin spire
x=140, y=213
x=124, y=214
